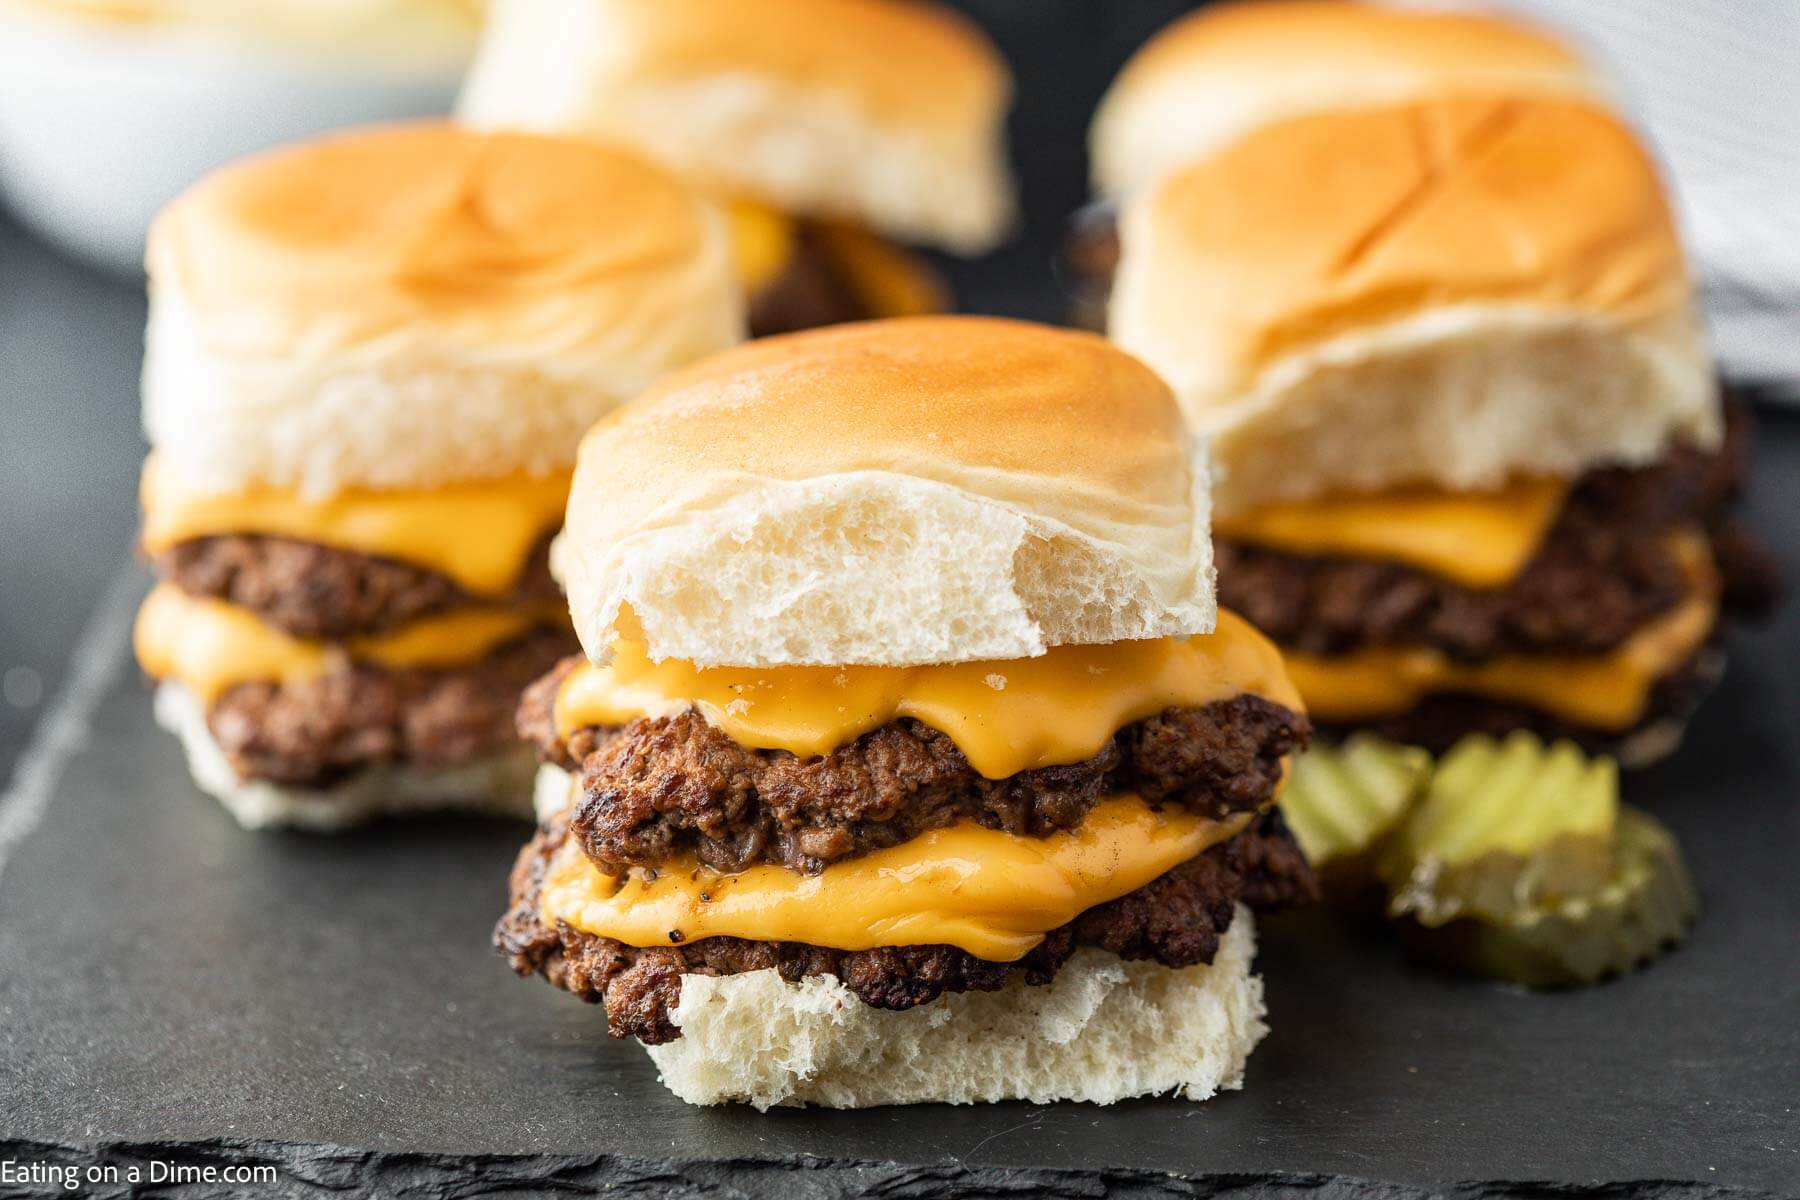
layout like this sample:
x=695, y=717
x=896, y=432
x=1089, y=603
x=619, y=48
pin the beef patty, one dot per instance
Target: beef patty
x=664, y=786
x=316, y=732
x=1438, y=721
x=1603, y=572
x=809, y=292
x=313, y=591
x=1176, y=920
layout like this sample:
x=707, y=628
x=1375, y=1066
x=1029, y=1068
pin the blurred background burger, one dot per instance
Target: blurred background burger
x=1473, y=467
x=369, y=361
x=833, y=131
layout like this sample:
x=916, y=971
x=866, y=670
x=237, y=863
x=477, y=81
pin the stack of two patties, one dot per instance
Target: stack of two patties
x=370, y=362
x=906, y=761
x=1422, y=289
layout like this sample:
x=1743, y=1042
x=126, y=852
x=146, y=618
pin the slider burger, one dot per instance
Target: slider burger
x=830, y=129
x=910, y=759
x=1473, y=471
x=370, y=361
x=1227, y=69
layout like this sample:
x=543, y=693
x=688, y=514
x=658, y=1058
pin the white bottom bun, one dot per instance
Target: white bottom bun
x=552, y=791
x=500, y=785
x=1103, y=1030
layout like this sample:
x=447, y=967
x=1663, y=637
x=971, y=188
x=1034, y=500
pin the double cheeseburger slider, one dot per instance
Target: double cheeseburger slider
x=1473, y=470
x=370, y=361
x=909, y=759
x=1227, y=69
x=832, y=130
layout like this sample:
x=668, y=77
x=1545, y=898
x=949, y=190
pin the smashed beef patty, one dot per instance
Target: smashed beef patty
x=315, y=732
x=1176, y=919
x=1603, y=572
x=308, y=590
x=660, y=787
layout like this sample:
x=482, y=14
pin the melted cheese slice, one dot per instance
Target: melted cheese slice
x=1607, y=691
x=887, y=280
x=210, y=646
x=1477, y=539
x=1006, y=717
x=478, y=534
x=762, y=242
x=991, y=893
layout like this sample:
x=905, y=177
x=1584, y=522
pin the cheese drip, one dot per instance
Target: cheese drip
x=990, y=893
x=209, y=646
x=1477, y=539
x=1006, y=717
x=762, y=242
x=1608, y=691
x=478, y=534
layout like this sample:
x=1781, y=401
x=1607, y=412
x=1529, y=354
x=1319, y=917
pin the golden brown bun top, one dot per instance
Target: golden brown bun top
x=889, y=113
x=1288, y=34
x=927, y=489
x=908, y=59
x=1220, y=72
x=1341, y=221
x=926, y=393
x=506, y=237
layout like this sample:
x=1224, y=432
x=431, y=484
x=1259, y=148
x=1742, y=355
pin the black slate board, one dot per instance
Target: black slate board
x=174, y=989
x=330, y=1005
x=168, y=978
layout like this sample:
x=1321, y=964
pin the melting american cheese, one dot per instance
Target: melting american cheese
x=886, y=280
x=1477, y=539
x=209, y=646
x=1006, y=717
x=762, y=242
x=990, y=893
x=1604, y=691
x=478, y=534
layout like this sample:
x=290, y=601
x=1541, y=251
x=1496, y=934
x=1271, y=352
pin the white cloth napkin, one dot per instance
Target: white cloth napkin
x=1717, y=85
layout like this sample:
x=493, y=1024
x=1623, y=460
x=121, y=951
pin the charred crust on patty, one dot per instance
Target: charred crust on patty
x=319, y=731
x=659, y=787
x=309, y=590
x=1176, y=919
x=1604, y=572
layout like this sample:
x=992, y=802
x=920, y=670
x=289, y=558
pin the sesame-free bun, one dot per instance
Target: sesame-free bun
x=501, y=784
x=885, y=112
x=1449, y=292
x=411, y=305
x=933, y=489
x=1224, y=70
x=1103, y=1030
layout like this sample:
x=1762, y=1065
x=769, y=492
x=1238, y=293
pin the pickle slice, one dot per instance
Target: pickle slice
x=1645, y=906
x=1341, y=800
x=1505, y=826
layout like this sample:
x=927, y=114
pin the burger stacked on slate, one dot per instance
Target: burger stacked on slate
x=910, y=758
x=1473, y=470
x=832, y=130
x=370, y=361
